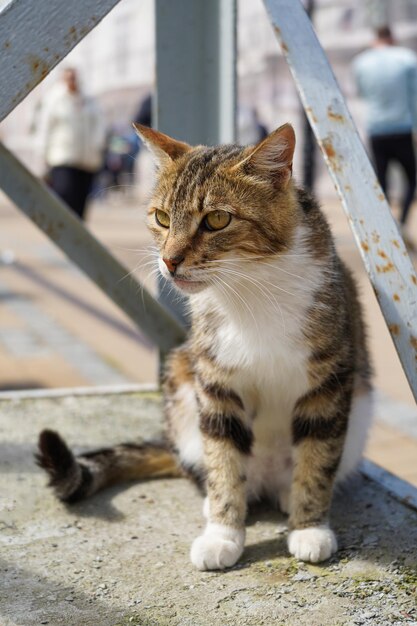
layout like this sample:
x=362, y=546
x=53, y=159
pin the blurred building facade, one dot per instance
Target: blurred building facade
x=117, y=62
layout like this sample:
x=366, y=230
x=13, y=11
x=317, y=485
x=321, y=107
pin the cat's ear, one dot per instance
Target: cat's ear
x=272, y=157
x=163, y=148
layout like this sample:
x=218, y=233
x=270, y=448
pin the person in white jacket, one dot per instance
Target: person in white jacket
x=72, y=141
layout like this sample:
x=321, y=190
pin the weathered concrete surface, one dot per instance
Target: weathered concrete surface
x=121, y=558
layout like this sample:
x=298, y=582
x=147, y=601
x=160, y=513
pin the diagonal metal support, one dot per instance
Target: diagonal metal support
x=34, y=37
x=51, y=215
x=383, y=251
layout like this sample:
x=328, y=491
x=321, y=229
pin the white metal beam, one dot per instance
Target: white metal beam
x=35, y=36
x=383, y=251
x=60, y=224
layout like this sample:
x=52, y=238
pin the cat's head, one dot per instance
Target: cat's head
x=214, y=208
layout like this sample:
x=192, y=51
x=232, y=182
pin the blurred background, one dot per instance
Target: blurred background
x=56, y=328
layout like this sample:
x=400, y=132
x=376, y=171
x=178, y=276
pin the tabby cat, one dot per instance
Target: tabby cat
x=271, y=395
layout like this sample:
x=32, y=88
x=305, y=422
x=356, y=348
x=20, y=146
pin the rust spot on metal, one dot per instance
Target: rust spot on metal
x=284, y=46
x=310, y=112
x=365, y=246
x=414, y=279
x=389, y=267
x=375, y=237
x=396, y=297
x=394, y=329
x=381, y=197
x=396, y=243
x=7, y=44
x=383, y=269
x=331, y=154
x=361, y=221
x=72, y=36
x=382, y=254
x=46, y=49
x=337, y=117
x=328, y=148
x=413, y=342
x=349, y=188
x=39, y=69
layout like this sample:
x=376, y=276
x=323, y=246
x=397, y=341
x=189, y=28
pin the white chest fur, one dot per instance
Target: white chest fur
x=263, y=314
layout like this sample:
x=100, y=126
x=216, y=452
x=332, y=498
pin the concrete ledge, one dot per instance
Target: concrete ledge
x=122, y=557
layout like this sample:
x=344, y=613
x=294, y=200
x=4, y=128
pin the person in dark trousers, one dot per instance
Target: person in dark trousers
x=73, y=139
x=386, y=78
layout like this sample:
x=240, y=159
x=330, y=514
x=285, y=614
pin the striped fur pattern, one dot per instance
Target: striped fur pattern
x=271, y=394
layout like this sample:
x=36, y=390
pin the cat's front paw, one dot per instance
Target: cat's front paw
x=218, y=547
x=313, y=544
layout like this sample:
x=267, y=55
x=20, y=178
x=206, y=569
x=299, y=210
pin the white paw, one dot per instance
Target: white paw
x=219, y=547
x=206, y=508
x=312, y=544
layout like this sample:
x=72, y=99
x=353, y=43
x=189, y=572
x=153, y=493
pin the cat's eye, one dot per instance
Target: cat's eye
x=162, y=218
x=216, y=220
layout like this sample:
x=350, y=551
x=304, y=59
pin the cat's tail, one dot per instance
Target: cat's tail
x=76, y=477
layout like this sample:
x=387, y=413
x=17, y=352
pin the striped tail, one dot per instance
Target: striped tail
x=74, y=478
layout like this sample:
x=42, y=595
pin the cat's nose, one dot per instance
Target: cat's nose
x=172, y=263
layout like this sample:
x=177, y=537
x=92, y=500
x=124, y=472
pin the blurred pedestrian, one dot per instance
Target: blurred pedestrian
x=122, y=149
x=73, y=139
x=250, y=129
x=386, y=78
x=144, y=112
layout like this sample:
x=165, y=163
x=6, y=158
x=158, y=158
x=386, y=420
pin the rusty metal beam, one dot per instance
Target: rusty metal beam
x=35, y=36
x=376, y=234
x=51, y=215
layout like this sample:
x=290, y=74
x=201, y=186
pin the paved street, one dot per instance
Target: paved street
x=58, y=330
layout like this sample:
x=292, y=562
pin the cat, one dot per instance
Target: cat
x=271, y=394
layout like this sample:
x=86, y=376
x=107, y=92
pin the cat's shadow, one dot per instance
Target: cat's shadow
x=100, y=505
x=358, y=513
x=370, y=525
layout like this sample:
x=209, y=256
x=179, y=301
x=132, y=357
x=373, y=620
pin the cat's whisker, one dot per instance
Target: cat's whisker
x=275, y=266
x=263, y=280
x=267, y=293
x=130, y=273
x=224, y=288
x=245, y=304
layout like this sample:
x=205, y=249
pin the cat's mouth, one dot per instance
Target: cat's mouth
x=187, y=285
